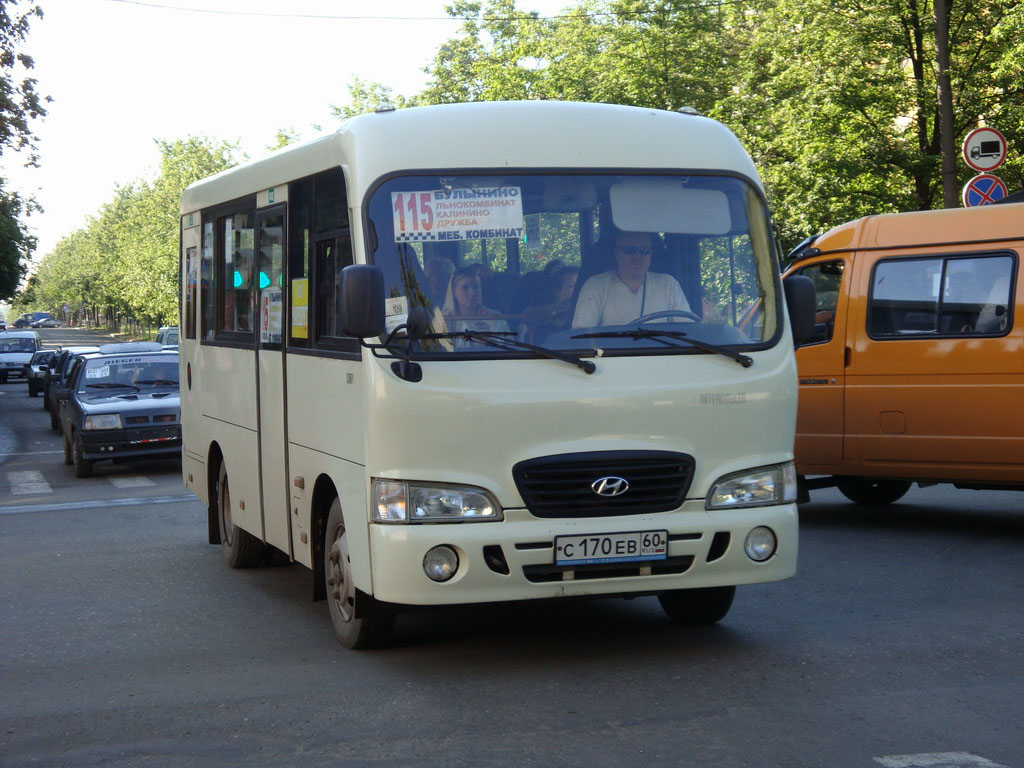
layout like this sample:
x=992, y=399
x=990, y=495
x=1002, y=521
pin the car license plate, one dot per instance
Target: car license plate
x=611, y=547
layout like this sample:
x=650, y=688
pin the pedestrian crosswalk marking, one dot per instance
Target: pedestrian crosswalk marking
x=937, y=760
x=131, y=481
x=27, y=482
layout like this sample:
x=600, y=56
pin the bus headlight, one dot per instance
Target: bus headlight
x=754, y=488
x=396, y=501
x=102, y=421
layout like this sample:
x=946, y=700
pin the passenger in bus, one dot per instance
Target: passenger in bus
x=438, y=271
x=554, y=307
x=464, y=308
x=630, y=290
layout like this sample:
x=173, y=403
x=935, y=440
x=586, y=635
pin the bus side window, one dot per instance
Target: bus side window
x=333, y=254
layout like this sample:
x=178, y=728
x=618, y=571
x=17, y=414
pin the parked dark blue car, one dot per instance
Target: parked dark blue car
x=121, y=404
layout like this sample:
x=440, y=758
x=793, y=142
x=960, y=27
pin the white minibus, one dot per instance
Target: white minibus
x=492, y=352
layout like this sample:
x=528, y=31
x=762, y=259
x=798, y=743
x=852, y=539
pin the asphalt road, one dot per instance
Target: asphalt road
x=125, y=640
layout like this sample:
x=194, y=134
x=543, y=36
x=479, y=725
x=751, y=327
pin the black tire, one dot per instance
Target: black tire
x=67, y=451
x=3, y=378
x=357, y=619
x=241, y=549
x=83, y=467
x=54, y=421
x=872, y=493
x=697, y=606
x=33, y=391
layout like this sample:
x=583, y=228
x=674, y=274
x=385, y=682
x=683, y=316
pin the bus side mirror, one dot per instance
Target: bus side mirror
x=362, y=301
x=801, y=303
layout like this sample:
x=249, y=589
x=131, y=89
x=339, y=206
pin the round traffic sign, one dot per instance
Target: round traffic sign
x=983, y=189
x=984, y=149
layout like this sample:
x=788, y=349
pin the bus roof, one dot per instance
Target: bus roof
x=489, y=135
x=923, y=228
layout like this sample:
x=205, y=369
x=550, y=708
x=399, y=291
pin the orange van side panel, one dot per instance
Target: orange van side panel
x=944, y=409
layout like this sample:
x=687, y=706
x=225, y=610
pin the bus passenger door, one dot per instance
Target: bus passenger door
x=270, y=238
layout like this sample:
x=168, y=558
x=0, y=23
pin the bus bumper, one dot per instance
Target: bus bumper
x=514, y=559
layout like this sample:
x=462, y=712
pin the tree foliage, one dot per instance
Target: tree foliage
x=20, y=103
x=126, y=257
x=837, y=102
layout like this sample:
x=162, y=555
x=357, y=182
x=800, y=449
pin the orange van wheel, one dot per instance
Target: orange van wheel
x=872, y=493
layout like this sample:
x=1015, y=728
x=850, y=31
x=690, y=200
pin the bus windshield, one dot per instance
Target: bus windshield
x=576, y=262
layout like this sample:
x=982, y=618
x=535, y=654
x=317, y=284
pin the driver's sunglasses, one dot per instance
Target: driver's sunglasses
x=634, y=250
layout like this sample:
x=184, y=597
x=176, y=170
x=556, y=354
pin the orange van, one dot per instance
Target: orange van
x=915, y=370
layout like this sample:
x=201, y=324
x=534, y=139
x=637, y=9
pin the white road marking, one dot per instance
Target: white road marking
x=99, y=504
x=131, y=481
x=936, y=760
x=26, y=482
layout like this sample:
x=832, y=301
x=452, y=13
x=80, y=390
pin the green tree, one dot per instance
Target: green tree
x=839, y=102
x=126, y=258
x=365, y=96
x=655, y=53
x=20, y=103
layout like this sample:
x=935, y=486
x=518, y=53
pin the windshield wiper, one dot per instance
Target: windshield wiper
x=158, y=382
x=500, y=340
x=112, y=385
x=662, y=336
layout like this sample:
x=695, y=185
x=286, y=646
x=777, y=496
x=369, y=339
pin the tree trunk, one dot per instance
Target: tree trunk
x=950, y=198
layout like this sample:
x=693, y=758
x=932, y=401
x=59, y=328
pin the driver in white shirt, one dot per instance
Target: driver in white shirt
x=629, y=291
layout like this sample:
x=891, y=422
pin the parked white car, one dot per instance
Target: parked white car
x=16, y=350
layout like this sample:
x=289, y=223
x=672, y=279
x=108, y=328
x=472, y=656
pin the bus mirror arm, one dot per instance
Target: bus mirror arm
x=416, y=326
x=801, y=302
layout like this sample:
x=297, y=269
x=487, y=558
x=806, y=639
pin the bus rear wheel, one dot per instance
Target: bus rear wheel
x=872, y=493
x=241, y=549
x=697, y=606
x=357, y=619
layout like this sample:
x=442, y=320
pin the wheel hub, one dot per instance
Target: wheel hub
x=339, y=581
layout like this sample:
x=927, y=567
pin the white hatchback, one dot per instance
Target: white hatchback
x=16, y=349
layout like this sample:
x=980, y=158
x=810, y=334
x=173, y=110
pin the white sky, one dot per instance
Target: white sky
x=122, y=74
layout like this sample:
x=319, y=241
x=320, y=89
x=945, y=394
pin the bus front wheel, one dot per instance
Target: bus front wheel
x=357, y=619
x=697, y=606
x=241, y=549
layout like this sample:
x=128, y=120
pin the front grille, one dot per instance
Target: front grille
x=546, y=572
x=561, y=486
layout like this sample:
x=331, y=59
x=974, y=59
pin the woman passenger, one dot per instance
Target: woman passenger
x=464, y=308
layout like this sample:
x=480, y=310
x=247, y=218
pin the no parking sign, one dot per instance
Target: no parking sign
x=983, y=189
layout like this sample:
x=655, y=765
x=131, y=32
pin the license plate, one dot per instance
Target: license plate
x=611, y=547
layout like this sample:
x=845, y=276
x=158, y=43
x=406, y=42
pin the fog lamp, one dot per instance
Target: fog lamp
x=440, y=563
x=760, y=544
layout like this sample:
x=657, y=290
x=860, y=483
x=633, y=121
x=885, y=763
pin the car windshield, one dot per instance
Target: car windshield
x=576, y=262
x=17, y=345
x=130, y=372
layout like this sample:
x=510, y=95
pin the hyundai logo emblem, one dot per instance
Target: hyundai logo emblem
x=610, y=486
